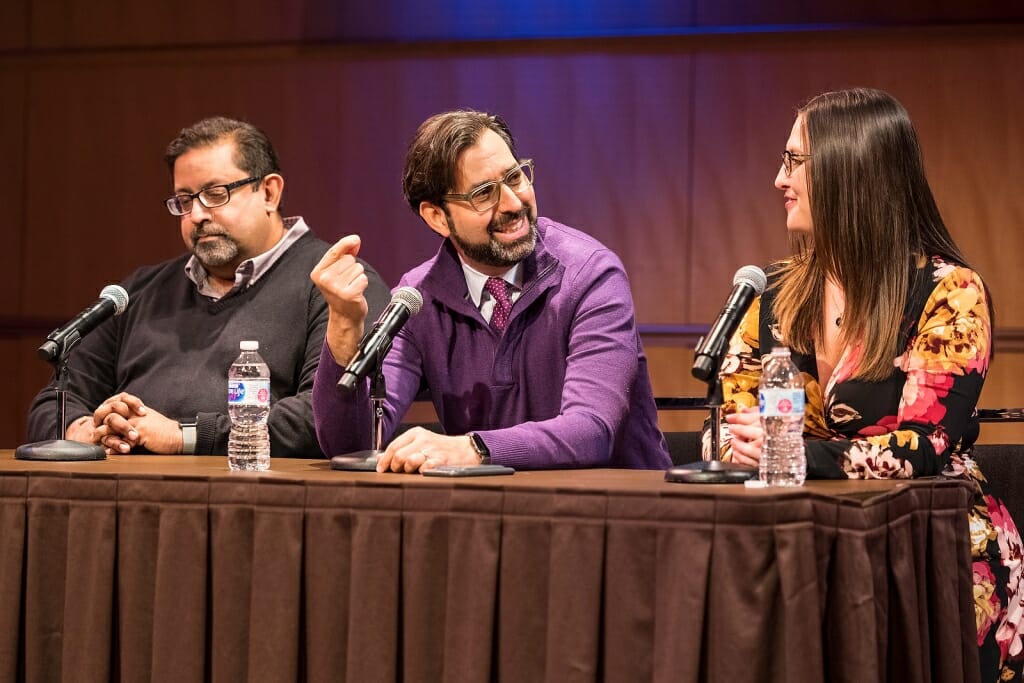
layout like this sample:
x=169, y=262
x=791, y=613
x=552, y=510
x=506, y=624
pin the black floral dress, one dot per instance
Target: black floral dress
x=921, y=421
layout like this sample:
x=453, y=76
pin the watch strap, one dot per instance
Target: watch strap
x=188, y=437
x=480, y=447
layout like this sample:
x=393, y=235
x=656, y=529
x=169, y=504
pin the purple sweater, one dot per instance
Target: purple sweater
x=565, y=386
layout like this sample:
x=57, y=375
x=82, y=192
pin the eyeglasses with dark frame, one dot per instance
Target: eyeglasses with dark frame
x=791, y=160
x=486, y=196
x=210, y=197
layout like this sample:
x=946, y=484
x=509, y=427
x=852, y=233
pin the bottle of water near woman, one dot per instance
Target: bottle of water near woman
x=781, y=393
x=249, y=408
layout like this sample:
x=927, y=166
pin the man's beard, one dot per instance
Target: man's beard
x=219, y=251
x=494, y=252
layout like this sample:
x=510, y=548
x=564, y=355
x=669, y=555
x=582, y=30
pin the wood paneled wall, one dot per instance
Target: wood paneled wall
x=665, y=148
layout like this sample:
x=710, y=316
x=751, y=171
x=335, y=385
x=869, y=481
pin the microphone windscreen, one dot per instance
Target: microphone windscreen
x=753, y=276
x=118, y=295
x=410, y=296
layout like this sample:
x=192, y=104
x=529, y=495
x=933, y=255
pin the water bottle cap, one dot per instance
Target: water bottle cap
x=249, y=346
x=780, y=351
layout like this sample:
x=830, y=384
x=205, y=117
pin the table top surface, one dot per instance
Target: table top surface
x=318, y=471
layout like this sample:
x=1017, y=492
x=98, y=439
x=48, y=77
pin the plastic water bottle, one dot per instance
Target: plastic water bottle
x=249, y=408
x=781, y=393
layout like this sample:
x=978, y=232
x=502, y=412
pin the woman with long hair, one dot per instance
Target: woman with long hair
x=892, y=332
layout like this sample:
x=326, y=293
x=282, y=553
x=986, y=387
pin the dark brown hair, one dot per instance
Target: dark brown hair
x=433, y=155
x=253, y=152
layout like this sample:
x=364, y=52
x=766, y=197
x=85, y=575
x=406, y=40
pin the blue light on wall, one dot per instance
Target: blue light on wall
x=469, y=20
x=406, y=20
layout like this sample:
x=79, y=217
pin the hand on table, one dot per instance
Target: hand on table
x=421, y=449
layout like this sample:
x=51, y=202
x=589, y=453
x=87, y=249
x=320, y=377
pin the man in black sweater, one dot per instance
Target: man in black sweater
x=155, y=378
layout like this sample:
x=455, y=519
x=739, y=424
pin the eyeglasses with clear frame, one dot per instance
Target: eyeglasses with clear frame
x=210, y=197
x=791, y=160
x=486, y=196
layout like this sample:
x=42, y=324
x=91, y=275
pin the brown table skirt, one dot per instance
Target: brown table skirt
x=171, y=568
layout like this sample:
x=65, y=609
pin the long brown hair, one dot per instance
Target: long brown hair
x=874, y=217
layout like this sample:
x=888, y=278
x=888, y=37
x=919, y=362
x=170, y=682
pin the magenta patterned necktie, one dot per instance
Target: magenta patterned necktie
x=498, y=288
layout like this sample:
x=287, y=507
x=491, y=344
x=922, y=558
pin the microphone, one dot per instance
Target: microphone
x=747, y=283
x=113, y=300
x=405, y=302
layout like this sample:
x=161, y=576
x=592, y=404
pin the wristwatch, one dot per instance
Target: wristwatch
x=480, y=447
x=188, y=437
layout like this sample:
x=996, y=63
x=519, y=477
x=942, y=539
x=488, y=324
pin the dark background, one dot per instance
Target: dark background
x=655, y=126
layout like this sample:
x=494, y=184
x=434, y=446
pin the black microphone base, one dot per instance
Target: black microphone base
x=710, y=472
x=60, y=450
x=357, y=461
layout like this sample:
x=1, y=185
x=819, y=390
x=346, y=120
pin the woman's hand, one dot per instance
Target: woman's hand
x=747, y=436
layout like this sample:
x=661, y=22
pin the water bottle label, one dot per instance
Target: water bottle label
x=781, y=402
x=249, y=392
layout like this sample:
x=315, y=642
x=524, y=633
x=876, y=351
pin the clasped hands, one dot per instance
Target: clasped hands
x=123, y=423
x=747, y=435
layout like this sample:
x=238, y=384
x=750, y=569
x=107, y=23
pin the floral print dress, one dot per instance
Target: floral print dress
x=921, y=421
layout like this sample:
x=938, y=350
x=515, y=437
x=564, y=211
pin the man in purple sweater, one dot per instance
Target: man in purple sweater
x=526, y=338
